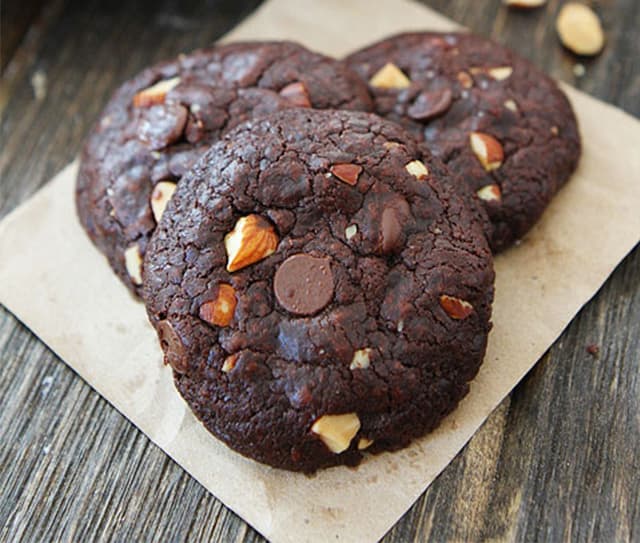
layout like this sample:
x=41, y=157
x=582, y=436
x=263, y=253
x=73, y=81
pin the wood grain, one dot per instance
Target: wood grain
x=556, y=461
x=15, y=20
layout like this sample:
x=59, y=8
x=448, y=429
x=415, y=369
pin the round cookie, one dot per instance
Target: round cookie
x=319, y=289
x=490, y=115
x=160, y=122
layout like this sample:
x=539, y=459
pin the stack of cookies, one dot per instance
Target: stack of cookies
x=313, y=238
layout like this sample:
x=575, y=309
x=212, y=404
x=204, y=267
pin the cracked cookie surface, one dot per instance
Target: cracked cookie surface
x=494, y=118
x=319, y=289
x=160, y=122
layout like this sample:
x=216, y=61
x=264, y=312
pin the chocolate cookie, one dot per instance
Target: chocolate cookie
x=159, y=123
x=491, y=116
x=319, y=289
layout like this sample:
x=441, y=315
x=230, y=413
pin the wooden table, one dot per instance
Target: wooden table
x=557, y=460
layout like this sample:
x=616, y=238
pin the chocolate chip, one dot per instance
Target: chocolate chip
x=172, y=345
x=430, y=104
x=303, y=284
x=394, y=216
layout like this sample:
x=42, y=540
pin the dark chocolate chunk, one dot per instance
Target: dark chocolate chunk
x=394, y=217
x=430, y=104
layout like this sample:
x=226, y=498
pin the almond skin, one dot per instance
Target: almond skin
x=297, y=94
x=490, y=193
x=219, y=312
x=348, y=173
x=455, y=307
x=230, y=363
x=252, y=239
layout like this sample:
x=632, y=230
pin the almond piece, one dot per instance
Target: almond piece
x=488, y=150
x=350, y=231
x=390, y=77
x=465, y=80
x=229, y=363
x=579, y=29
x=511, y=105
x=337, y=431
x=490, y=193
x=361, y=359
x=455, y=307
x=525, y=4
x=346, y=172
x=160, y=196
x=252, y=239
x=133, y=263
x=579, y=70
x=220, y=311
x=156, y=93
x=500, y=73
x=297, y=94
x=417, y=169
x=364, y=443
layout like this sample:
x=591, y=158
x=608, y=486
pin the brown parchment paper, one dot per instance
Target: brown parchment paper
x=53, y=279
